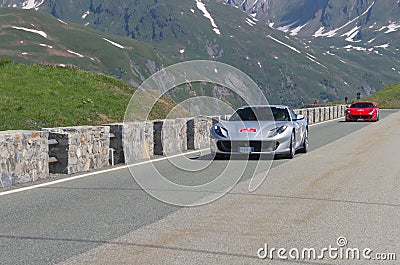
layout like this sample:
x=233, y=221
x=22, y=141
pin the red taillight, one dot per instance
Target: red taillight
x=248, y=130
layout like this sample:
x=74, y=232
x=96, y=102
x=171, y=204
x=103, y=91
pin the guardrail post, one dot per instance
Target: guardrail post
x=116, y=135
x=198, y=132
x=158, y=144
x=174, y=137
x=59, y=152
x=140, y=141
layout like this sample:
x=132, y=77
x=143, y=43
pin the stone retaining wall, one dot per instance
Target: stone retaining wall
x=79, y=149
x=23, y=157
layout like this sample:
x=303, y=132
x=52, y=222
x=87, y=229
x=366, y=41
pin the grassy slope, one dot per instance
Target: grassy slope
x=388, y=97
x=37, y=96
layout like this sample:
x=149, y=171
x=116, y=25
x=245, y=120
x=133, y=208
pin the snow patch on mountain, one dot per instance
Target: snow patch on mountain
x=250, y=22
x=352, y=34
x=392, y=27
x=85, y=14
x=202, y=7
x=357, y=48
x=284, y=44
x=384, y=46
x=114, y=43
x=320, y=33
x=296, y=30
x=314, y=59
x=59, y=20
x=286, y=28
x=75, y=53
x=31, y=4
x=45, y=45
x=41, y=33
x=331, y=33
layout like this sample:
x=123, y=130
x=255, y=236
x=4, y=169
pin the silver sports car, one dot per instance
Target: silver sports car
x=263, y=129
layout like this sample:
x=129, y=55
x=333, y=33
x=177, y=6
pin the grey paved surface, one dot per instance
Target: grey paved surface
x=346, y=187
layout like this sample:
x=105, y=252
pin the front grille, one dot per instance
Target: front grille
x=259, y=146
x=360, y=117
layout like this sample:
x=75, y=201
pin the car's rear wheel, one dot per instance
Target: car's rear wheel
x=292, y=148
x=304, y=148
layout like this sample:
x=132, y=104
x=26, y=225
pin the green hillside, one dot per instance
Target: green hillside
x=28, y=36
x=36, y=96
x=388, y=97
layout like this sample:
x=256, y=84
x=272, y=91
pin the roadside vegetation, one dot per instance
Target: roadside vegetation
x=37, y=96
x=388, y=97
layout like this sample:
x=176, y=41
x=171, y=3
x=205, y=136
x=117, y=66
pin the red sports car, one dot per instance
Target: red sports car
x=362, y=111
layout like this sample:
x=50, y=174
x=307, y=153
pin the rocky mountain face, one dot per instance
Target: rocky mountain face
x=311, y=15
x=296, y=50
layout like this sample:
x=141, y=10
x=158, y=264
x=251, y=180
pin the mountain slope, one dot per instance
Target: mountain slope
x=33, y=37
x=361, y=26
x=289, y=70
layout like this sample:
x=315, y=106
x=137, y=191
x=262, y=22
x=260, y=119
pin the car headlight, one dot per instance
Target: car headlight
x=372, y=112
x=277, y=130
x=221, y=131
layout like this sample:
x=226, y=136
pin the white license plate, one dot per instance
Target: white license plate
x=360, y=119
x=246, y=150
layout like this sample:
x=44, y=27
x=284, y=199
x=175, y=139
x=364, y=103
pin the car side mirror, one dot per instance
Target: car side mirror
x=300, y=117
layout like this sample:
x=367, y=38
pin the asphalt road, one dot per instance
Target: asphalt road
x=52, y=224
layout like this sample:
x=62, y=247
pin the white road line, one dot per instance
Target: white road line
x=326, y=121
x=114, y=169
x=95, y=173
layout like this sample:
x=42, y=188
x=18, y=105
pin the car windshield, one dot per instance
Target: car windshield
x=261, y=114
x=362, y=105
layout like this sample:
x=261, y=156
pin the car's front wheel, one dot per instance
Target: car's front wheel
x=292, y=148
x=304, y=148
